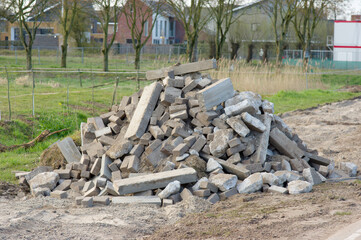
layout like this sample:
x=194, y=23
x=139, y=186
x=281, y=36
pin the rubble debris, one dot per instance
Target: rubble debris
x=184, y=137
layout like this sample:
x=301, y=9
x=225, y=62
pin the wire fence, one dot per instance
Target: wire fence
x=76, y=93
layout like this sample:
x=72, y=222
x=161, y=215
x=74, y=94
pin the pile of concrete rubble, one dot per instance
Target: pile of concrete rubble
x=184, y=135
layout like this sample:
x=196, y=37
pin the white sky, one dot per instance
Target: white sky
x=355, y=8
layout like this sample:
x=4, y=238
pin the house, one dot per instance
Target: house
x=167, y=29
x=49, y=33
x=252, y=36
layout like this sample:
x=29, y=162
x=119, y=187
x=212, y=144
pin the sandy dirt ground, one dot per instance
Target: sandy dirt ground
x=334, y=130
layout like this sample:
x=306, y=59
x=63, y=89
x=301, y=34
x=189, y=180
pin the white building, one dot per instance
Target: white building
x=347, y=41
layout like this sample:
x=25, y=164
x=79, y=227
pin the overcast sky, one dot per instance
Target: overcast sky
x=355, y=8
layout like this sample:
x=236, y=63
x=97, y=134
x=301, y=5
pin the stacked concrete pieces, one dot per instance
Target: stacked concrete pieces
x=185, y=135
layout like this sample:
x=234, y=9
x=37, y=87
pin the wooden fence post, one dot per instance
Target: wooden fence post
x=7, y=77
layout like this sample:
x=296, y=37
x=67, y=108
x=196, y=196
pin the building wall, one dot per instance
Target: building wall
x=347, y=41
x=123, y=34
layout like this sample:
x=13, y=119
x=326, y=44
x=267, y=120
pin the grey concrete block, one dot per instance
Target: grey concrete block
x=69, y=150
x=143, y=112
x=215, y=94
x=152, y=200
x=154, y=181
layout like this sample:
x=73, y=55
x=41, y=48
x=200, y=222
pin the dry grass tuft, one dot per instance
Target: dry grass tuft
x=24, y=80
x=3, y=81
x=265, y=78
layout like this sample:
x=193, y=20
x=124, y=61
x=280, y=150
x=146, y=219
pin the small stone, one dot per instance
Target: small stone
x=349, y=167
x=251, y=184
x=213, y=198
x=277, y=189
x=270, y=178
x=299, y=186
x=224, y=181
x=171, y=188
x=87, y=202
x=213, y=165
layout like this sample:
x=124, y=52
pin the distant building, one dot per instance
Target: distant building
x=347, y=41
x=167, y=29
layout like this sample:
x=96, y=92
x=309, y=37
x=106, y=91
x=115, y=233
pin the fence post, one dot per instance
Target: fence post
x=82, y=55
x=32, y=71
x=67, y=95
x=16, y=56
x=92, y=78
x=81, y=84
x=178, y=52
x=156, y=52
x=170, y=54
x=7, y=77
x=57, y=55
x=126, y=55
x=115, y=91
x=39, y=55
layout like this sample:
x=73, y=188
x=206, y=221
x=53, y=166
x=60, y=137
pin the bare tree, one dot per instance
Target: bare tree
x=281, y=13
x=309, y=14
x=189, y=13
x=69, y=10
x=222, y=15
x=108, y=11
x=81, y=25
x=140, y=18
x=336, y=8
x=29, y=16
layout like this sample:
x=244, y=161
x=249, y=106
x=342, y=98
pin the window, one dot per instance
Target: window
x=156, y=28
x=171, y=28
x=146, y=28
x=161, y=29
x=165, y=28
x=254, y=27
x=155, y=41
x=44, y=31
x=2, y=26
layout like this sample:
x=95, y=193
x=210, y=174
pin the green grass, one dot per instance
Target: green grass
x=342, y=213
x=286, y=101
x=337, y=81
x=54, y=113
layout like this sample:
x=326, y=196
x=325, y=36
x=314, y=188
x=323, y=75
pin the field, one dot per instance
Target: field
x=60, y=101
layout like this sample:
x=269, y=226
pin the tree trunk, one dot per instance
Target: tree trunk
x=279, y=52
x=212, y=48
x=235, y=47
x=105, y=60
x=137, y=58
x=250, y=53
x=29, y=64
x=218, y=51
x=64, y=52
x=195, y=51
x=265, y=53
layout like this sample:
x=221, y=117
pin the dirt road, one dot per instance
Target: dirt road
x=334, y=130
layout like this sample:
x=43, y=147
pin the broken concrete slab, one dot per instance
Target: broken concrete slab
x=119, y=149
x=195, y=67
x=220, y=141
x=299, y=186
x=224, y=181
x=277, y=189
x=143, y=112
x=238, y=126
x=160, y=73
x=152, y=200
x=253, y=123
x=154, y=181
x=284, y=145
x=171, y=188
x=311, y=176
x=69, y=150
x=215, y=94
x=251, y=184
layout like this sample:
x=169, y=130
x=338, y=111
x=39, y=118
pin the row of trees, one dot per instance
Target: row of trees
x=194, y=15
